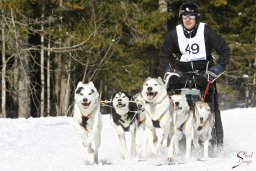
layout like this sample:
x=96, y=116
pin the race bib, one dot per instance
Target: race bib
x=192, y=49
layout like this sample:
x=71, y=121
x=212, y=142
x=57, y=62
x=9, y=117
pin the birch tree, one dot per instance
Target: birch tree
x=23, y=78
x=3, y=76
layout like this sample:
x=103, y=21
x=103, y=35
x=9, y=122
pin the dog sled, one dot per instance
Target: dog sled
x=195, y=90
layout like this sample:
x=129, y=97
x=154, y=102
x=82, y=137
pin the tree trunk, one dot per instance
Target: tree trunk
x=3, y=102
x=24, y=91
x=65, y=87
x=22, y=76
x=57, y=83
x=48, y=110
x=42, y=99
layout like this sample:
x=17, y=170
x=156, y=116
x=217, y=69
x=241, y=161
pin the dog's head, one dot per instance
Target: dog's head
x=86, y=96
x=153, y=89
x=203, y=111
x=121, y=102
x=139, y=100
x=180, y=103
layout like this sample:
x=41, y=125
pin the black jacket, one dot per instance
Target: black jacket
x=170, y=52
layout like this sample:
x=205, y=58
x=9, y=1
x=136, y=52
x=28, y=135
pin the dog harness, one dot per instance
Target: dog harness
x=85, y=119
x=130, y=118
x=156, y=123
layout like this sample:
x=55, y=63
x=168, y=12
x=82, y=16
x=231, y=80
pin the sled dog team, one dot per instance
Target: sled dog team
x=151, y=110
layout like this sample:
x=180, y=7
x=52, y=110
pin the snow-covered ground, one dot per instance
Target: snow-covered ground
x=51, y=144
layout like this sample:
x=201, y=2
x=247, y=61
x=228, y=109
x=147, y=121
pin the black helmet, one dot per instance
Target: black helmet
x=189, y=8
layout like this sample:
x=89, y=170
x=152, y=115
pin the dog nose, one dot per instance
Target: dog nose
x=177, y=103
x=149, y=88
x=119, y=100
x=201, y=119
x=85, y=99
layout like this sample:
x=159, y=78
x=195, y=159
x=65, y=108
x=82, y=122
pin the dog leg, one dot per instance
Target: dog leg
x=124, y=147
x=176, y=146
x=171, y=147
x=189, y=135
x=206, y=145
x=155, y=138
x=133, y=145
x=88, y=140
x=97, y=146
x=188, y=147
x=151, y=143
x=145, y=143
x=90, y=149
x=165, y=136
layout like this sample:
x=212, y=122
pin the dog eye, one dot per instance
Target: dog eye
x=155, y=84
x=92, y=91
x=81, y=94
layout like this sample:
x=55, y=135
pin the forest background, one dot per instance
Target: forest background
x=48, y=46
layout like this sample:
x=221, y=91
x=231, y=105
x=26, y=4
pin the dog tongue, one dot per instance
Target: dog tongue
x=151, y=94
x=86, y=104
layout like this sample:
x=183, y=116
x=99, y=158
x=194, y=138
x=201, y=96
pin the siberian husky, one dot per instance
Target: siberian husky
x=124, y=119
x=87, y=117
x=206, y=122
x=158, y=110
x=141, y=128
x=183, y=121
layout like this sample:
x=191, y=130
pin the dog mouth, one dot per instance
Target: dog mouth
x=86, y=105
x=201, y=125
x=120, y=105
x=178, y=108
x=199, y=128
x=151, y=95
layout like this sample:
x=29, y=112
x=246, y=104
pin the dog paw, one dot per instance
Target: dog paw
x=133, y=153
x=86, y=144
x=126, y=157
x=144, y=157
x=164, y=144
x=90, y=150
x=170, y=159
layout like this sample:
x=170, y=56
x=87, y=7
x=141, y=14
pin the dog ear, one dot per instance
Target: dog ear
x=160, y=80
x=91, y=84
x=80, y=84
x=148, y=78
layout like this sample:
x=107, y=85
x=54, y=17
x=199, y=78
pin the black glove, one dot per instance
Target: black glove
x=214, y=72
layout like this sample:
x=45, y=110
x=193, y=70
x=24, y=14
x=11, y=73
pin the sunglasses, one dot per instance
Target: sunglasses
x=191, y=17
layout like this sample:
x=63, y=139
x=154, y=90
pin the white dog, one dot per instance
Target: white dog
x=206, y=122
x=158, y=109
x=183, y=121
x=140, y=102
x=87, y=117
x=124, y=119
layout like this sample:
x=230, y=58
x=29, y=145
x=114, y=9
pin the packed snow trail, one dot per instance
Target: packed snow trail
x=51, y=144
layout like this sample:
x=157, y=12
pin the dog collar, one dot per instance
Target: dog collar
x=85, y=119
x=90, y=114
